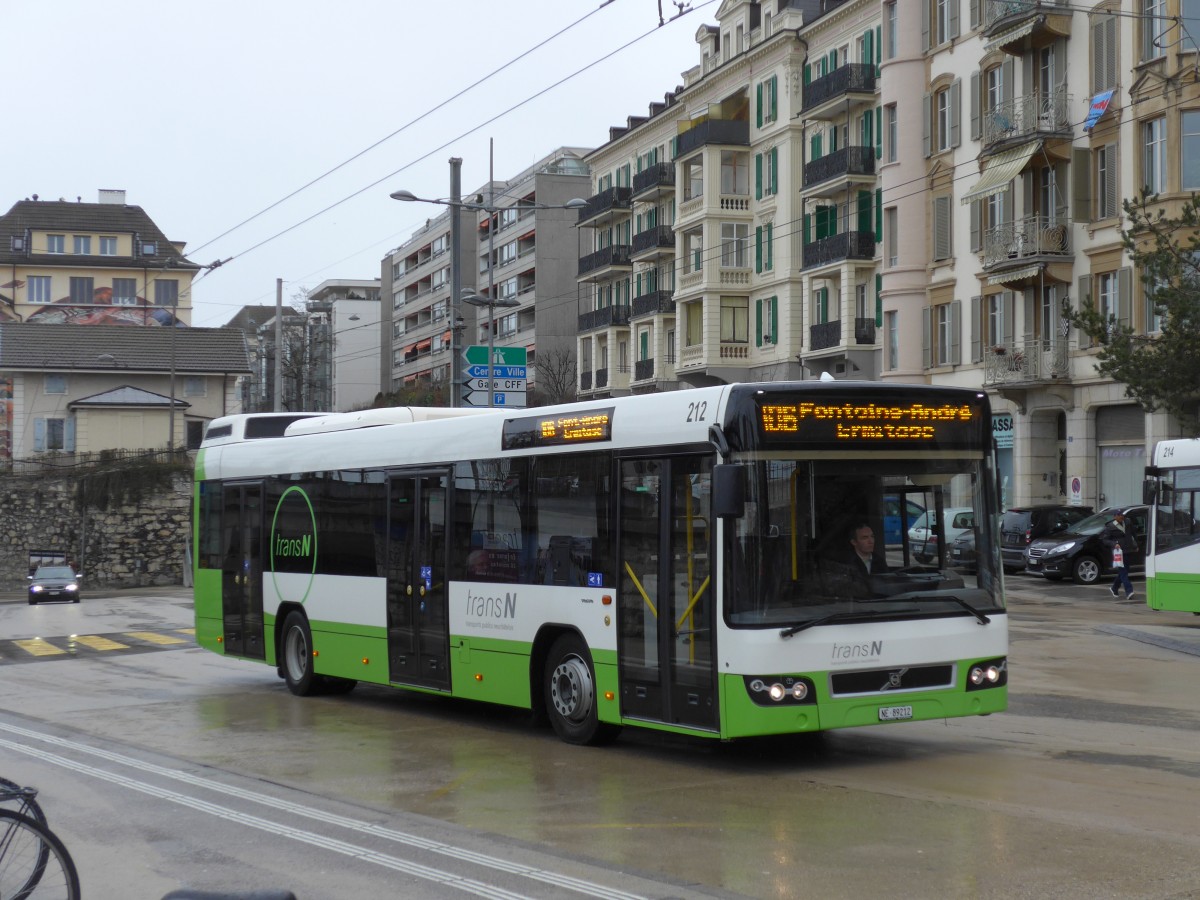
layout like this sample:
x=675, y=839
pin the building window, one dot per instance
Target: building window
x=891, y=226
x=735, y=319
x=1190, y=26
x=166, y=292
x=995, y=333
x=940, y=334
x=55, y=383
x=694, y=318
x=735, y=172
x=889, y=30
x=195, y=386
x=124, y=292
x=1104, y=52
x=891, y=127
x=1107, y=174
x=1190, y=150
x=693, y=178
x=38, y=289
x=508, y=253
x=55, y=243
x=693, y=246
x=735, y=241
x=1154, y=28
x=1106, y=295
x=51, y=434
x=946, y=20
x=82, y=245
x=764, y=248
x=941, y=105
x=943, y=336
x=108, y=246
x=891, y=331
x=767, y=103
x=1154, y=156
x=767, y=316
x=83, y=290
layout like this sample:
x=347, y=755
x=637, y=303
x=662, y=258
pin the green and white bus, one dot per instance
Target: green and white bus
x=1173, y=555
x=680, y=561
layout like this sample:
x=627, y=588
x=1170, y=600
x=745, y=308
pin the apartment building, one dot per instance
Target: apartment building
x=344, y=323
x=1020, y=199
x=732, y=231
x=517, y=246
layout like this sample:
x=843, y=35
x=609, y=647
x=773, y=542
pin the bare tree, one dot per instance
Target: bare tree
x=557, y=378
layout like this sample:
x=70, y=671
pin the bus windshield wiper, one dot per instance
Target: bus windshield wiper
x=836, y=616
x=983, y=619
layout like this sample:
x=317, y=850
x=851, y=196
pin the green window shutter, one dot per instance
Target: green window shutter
x=774, y=95
x=770, y=246
x=758, y=254
x=807, y=228
x=864, y=211
x=832, y=60
x=807, y=73
x=758, y=166
x=869, y=46
x=775, y=320
x=758, y=335
x=815, y=145
x=879, y=215
x=645, y=341
x=759, y=104
x=819, y=219
x=878, y=47
x=638, y=282
x=878, y=301
x=879, y=132
x=774, y=170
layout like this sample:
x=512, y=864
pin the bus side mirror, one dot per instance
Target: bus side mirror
x=729, y=491
x=1149, y=491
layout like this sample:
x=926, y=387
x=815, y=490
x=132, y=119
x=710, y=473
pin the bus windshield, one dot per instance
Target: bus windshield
x=866, y=536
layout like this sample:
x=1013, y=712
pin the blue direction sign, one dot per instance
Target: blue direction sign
x=501, y=398
x=497, y=371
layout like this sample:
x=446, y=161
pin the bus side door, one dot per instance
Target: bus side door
x=417, y=617
x=666, y=608
x=242, y=570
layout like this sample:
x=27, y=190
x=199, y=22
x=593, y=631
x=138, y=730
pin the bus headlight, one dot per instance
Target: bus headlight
x=987, y=674
x=784, y=690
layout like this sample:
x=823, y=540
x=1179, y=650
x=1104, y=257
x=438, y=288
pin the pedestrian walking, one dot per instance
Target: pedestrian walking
x=1122, y=545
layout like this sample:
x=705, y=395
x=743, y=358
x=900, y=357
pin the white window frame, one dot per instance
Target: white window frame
x=119, y=299
x=39, y=289
x=1154, y=155
x=81, y=244
x=735, y=245
x=942, y=335
x=55, y=243
x=735, y=320
x=108, y=245
x=735, y=172
x=1189, y=172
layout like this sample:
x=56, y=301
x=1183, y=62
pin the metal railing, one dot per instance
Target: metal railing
x=713, y=131
x=653, y=302
x=847, y=161
x=613, y=198
x=659, y=175
x=1015, y=10
x=850, y=78
x=616, y=255
x=1037, y=112
x=847, y=245
x=1031, y=236
x=658, y=237
x=1026, y=361
x=604, y=317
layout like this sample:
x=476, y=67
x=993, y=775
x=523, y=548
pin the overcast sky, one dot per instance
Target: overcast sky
x=208, y=112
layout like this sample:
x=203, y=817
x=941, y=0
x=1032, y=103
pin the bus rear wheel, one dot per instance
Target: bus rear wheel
x=570, y=689
x=297, y=656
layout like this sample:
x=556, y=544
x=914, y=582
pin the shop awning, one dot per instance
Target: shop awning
x=1000, y=170
x=1013, y=34
x=1015, y=275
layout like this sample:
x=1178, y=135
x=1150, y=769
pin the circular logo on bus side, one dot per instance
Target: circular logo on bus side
x=294, y=542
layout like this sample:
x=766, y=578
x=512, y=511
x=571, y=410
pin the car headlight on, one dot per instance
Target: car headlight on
x=70, y=587
x=1061, y=548
x=36, y=588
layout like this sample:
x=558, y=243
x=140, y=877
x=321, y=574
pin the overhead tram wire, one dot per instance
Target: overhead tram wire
x=404, y=127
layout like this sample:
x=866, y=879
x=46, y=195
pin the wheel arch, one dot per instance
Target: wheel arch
x=281, y=615
x=538, y=653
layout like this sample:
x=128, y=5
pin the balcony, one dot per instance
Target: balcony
x=601, y=379
x=714, y=131
x=604, y=317
x=864, y=331
x=1038, y=114
x=843, y=83
x=1007, y=23
x=655, y=181
x=598, y=265
x=1031, y=239
x=585, y=381
x=654, y=242
x=838, y=166
x=1025, y=362
x=653, y=303
x=825, y=335
x=605, y=205
x=838, y=248
x=643, y=369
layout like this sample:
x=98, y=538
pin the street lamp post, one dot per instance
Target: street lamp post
x=490, y=303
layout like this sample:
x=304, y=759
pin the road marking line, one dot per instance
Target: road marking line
x=462, y=854
x=154, y=638
x=96, y=642
x=39, y=647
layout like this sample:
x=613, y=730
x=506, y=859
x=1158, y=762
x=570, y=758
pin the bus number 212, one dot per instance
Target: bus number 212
x=697, y=411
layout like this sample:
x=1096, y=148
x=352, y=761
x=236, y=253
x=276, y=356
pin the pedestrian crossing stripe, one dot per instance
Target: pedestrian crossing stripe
x=84, y=645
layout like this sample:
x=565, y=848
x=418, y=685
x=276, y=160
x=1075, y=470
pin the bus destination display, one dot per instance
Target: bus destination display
x=557, y=430
x=874, y=424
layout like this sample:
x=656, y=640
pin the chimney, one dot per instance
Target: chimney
x=116, y=198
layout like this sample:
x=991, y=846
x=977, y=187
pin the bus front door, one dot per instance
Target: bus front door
x=241, y=570
x=417, y=618
x=666, y=604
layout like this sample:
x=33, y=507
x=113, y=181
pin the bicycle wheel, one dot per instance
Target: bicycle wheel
x=21, y=802
x=34, y=863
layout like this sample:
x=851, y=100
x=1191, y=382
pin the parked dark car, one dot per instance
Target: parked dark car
x=1080, y=552
x=1022, y=525
x=53, y=583
x=962, y=551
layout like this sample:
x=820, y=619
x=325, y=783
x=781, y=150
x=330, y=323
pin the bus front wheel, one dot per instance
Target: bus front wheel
x=570, y=685
x=297, y=656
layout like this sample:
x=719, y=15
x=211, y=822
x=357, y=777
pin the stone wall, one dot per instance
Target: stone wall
x=132, y=542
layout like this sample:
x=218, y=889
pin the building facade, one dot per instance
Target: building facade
x=344, y=327
x=517, y=246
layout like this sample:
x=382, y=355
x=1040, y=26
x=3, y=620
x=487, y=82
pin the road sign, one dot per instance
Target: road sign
x=502, y=398
x=497, y=371
x=477, y=355
x=497, y=384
